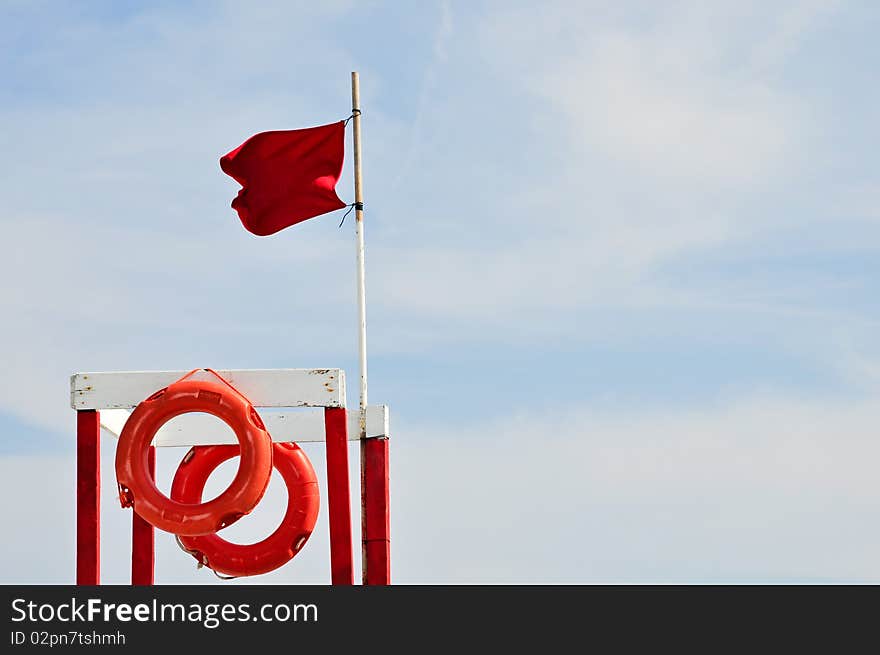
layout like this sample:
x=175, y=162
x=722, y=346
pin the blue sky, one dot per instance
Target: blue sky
x=622, y=269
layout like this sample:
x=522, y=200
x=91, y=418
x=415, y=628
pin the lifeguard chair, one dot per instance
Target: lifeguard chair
x=106, y=400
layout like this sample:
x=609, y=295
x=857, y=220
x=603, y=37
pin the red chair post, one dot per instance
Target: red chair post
x=375, y=523
x=143, y=540
x=88, y=497
x=338, y=496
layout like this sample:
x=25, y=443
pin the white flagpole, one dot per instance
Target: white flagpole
x=359, y=234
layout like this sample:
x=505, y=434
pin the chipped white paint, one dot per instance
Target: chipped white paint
x=200, y=429
x=286, y=387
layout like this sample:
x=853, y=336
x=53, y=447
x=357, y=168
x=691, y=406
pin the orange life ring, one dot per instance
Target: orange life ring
x=279, y=547
x=136, y=486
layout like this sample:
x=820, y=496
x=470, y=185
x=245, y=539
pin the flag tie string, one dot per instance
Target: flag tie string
x=354, y=112
x=355, y=205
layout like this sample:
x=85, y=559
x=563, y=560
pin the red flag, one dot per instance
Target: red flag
x=286, y=176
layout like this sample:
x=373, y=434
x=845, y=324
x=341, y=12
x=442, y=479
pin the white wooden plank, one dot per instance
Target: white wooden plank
x=291, y=387
x=201, y=429
x=113, y=420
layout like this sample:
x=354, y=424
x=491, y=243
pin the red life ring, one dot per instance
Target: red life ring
x=278, y=548
x=136, y=486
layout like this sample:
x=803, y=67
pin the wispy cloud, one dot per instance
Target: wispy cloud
x=428, y=89
x=761, y=488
